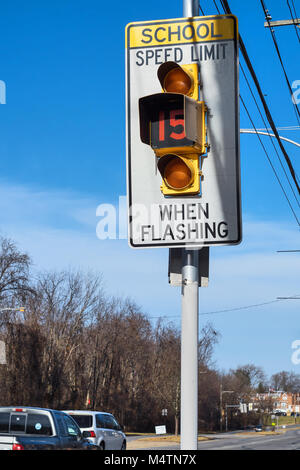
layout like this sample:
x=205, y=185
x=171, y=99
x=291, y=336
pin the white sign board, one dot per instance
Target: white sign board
x=214, y=216
x=160, y=429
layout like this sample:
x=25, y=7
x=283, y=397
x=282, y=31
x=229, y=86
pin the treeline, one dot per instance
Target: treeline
x=74, y=347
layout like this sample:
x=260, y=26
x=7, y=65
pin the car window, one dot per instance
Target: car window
x=60, y=425
x=72, y=428
x=38, y=424
x=83, y=421
x=110, y=422
x=116, y=424
x=100, y=421
x=31, y=423
x=4, y=422
x=17, y=423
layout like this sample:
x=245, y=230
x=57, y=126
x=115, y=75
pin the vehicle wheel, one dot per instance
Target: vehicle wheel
x=102, y=446
x=123, y=445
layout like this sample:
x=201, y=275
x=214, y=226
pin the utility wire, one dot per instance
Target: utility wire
x=292, y=16
x=294, y=8
x=217, y=7
x=280, y=58
x=288, y=251
x=278, y=156
x=272, y=166
x=233, y=309
x=262, y=98
x=242, y=308
x=200, y=8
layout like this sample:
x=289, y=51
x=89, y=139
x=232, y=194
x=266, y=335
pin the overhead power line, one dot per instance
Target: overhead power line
x=270, y=136
x=288, y=251
x=272, y=166
x=294, y=18
x=227, y=310
x=267, y=15
x=262, y=98
x=294, y=8
x=216, y=7
x=288, y=298
x=200, y=8
x=242, y=308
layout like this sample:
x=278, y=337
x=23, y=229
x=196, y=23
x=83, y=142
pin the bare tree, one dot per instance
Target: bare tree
x=14, y=272
x=208, y=339
x=62, y=305
x=74, y=347
x=166, y=371
x=286, y=381
x=247, y=378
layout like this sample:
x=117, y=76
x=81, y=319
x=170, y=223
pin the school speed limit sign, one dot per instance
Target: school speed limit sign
x=182, y=118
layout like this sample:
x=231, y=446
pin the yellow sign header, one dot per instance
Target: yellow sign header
x=181, y=31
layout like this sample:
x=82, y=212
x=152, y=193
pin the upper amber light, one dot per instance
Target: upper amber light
x=177, y=81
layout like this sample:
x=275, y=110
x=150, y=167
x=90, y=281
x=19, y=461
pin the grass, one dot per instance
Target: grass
x=155, y=440
x=168, y=438
x=261, y=433
x=282, y=420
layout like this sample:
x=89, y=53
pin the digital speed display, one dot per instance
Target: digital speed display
x=168, y=130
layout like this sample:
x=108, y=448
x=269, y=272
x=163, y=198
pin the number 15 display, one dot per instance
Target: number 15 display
x=168, y=130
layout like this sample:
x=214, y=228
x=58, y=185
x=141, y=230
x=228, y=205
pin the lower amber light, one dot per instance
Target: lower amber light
x=177, y=174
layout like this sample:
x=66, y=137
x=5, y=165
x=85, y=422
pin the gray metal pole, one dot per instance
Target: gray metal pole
x=189, y=351
x=190, y=8
x=189, y=326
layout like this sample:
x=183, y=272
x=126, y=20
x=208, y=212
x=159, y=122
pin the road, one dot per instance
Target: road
x=288, y=439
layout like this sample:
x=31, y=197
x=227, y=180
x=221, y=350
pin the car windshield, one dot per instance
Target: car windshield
x=83, y=421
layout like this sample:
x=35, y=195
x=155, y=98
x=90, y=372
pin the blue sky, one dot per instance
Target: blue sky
x=63, y=154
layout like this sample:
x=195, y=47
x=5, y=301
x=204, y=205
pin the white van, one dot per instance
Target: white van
x=102, y=429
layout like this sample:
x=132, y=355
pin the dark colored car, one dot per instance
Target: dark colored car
x=30, y=428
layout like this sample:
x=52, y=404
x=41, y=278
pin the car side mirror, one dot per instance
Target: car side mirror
x=86, y=434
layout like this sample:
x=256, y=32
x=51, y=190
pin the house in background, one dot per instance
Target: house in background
x=278, y=400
